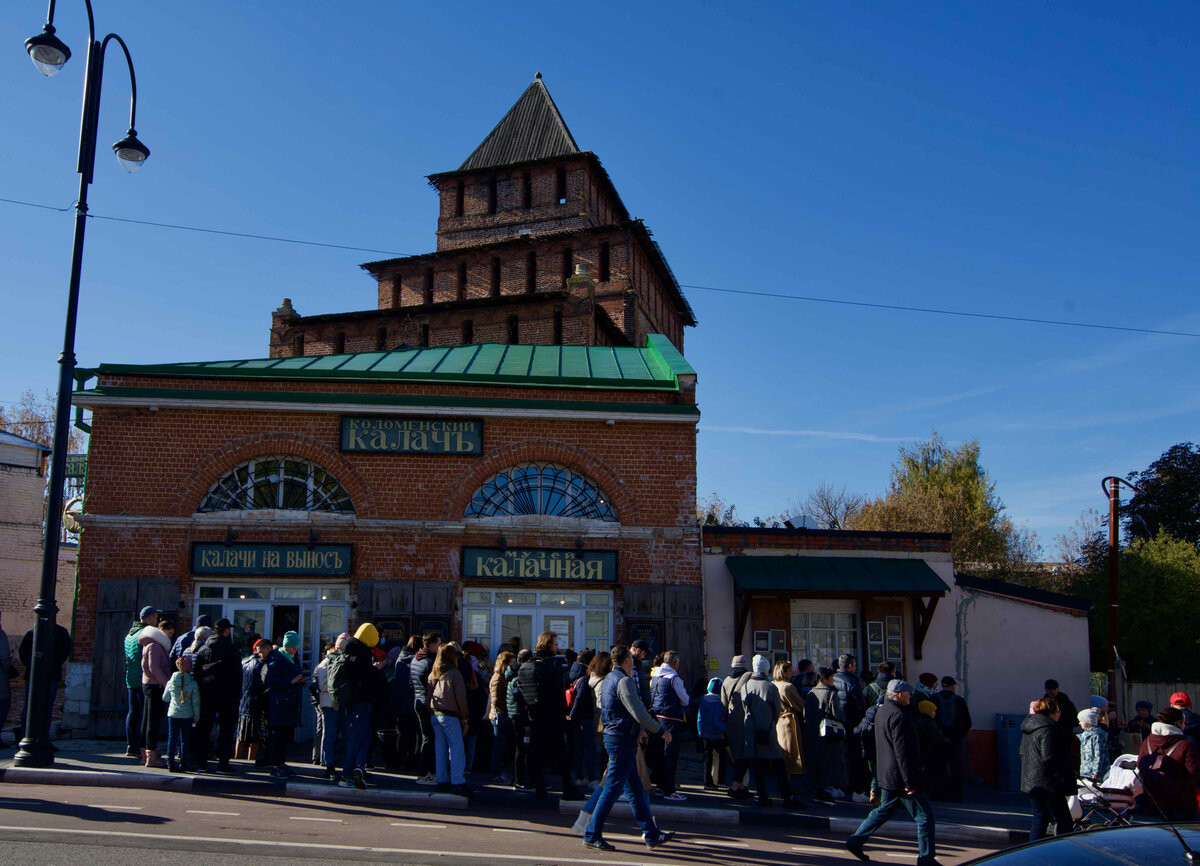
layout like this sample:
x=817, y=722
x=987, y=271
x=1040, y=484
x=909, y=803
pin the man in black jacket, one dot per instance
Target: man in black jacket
x=418, y=672
x=542, y=687
x=218, y=673
x=62, y=653
x=899, y=770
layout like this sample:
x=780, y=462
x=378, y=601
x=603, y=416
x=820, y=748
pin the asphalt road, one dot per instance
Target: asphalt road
x=101, y=826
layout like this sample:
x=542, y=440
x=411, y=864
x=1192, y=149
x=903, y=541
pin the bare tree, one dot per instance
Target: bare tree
x=33, y=418
x=829, y=505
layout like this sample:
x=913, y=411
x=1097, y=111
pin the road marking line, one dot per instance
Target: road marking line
x=324, y=820
x=123, y=808
x=814, y=850
x=720, y=842
x=206, y=812
x=894, y=854
x=419, y=825
x=487, y=856
x=507, y=830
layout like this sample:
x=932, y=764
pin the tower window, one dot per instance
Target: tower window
x=462, y=280
x=568, y=263
x=298, y=345
x=561, y=184
x=527, y=192
x=339, y=342
x=381, y=338
x=428, y=286
x=468, y=332
x=531, y=272
x=424, y=336
x=558, y=326
x=459, y=192
x=604, y=262
x=513, y=336
x=495, y=278
x=397, y=290
x=491, y=192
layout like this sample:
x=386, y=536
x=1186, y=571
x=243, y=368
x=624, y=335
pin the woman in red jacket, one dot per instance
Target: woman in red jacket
x=1169, y=766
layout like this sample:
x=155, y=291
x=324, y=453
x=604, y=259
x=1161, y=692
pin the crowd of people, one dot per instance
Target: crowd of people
x=1061, y=745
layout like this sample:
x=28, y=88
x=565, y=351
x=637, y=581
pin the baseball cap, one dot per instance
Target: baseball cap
x=949, y=681
x=897, y=686
x=148, y=610
x=1181, y=698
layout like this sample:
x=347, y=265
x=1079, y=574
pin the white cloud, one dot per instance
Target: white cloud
x=814, y=434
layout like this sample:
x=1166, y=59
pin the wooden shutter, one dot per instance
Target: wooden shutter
x=685, y=630
x=116, y=609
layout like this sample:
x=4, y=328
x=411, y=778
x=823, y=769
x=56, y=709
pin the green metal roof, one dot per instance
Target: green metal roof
x=655, y=367
x=834, y=574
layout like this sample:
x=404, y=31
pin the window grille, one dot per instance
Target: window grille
x=540, y=488
x=287, y=483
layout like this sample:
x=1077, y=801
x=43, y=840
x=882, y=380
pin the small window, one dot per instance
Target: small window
x=298, y=345
x=561, y=184
x=468, y=332
x=531, y=272
x=604, y=262
x=397, y=289
x=491, y=193
x=462, y=280
x=568, y=263
x=212, y=592
x=496, y=271
x=459, y=192
x=527, y=192
x=424, y=337
x=558, y=326
x=428, y=285
x=513, y=336
x=381, y=338
x=339, y=342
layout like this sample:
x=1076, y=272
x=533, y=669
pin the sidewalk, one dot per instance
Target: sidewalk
x=989, y=816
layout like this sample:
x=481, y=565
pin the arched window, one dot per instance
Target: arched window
x=540, y=488
x=289, y=483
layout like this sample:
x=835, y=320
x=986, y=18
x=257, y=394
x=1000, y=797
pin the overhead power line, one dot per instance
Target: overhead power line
x=937, y=311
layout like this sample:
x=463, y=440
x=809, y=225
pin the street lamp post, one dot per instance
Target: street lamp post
x=1112, y=489
x=49, y=55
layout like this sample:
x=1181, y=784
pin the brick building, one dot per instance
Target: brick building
x=507, y=444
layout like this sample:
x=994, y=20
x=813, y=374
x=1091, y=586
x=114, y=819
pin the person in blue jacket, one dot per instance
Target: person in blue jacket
x=285, y=689
x=710, y=725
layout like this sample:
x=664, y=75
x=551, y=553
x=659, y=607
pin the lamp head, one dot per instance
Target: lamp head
x=48, y=52
x=131, y=152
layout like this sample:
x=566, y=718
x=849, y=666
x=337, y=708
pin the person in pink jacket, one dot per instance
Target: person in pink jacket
x=156, y=673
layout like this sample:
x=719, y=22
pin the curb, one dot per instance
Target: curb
x=670, y=814
x=408, y=799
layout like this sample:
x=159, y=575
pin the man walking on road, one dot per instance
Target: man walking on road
x=626, y=722
x=899, y=762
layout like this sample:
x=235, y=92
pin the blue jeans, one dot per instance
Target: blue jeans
x=179, y=739
x=331, y=723
x=449, y=754
x=622, y=776
x=133, y=718
x=358, y=736
x=502, y=729
x=583, y=748
x=916, y=805
x=1047, y=807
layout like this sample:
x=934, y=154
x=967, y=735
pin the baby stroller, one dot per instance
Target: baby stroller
x=1109, y=802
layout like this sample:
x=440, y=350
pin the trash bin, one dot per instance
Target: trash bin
x=1008, y=750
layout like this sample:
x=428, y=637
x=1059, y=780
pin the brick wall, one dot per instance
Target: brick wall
x=736, y=540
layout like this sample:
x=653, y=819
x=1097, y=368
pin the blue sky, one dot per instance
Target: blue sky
x=1017, y=159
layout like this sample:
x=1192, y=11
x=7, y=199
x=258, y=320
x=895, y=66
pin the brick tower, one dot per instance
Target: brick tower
x=534, y=246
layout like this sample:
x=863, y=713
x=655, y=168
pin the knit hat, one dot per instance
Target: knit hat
x=949, y=681
x=1089, y=717
x=927, y=707
x=204, y=619
x=341, y=640
x=897, y=686
x=367, y=634
x=290, y=639
x=927, y=679
x=1143, y=705
x=1181, y=698
x=762, y=665
x=714, y=686
x=1098, y=702
x=741, y=662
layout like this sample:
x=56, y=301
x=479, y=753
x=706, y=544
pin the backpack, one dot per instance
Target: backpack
x=579, y=692
x=401, y=695
x=1166, y=778
x=947, y=709
x=341, y=679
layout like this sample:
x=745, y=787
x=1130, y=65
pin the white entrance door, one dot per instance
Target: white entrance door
x=567, y=624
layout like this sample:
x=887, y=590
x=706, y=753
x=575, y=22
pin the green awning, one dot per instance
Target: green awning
x=834, y=575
